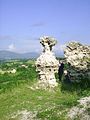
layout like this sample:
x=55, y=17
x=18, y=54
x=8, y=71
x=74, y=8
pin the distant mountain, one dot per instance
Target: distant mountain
x=30, y=55
x=13, y=55
x=5, y=55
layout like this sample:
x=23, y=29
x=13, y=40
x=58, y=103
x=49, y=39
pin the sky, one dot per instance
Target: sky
x=23, y=22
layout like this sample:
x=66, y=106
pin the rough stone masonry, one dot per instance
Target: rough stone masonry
x=46, y=64
x=78, y=56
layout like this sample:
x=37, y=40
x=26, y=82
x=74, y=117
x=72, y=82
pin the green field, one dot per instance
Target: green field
x=18, y=101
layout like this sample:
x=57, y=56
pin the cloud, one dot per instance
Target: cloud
x=59, y=47
x=39, y=24
x=6, y=37
x=62, y=47
x=11, y=47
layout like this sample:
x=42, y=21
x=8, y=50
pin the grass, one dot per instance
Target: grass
x=16, y=95
x=48, y=104
x=23, y=75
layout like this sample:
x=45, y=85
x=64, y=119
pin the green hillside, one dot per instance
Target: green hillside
x=19, y=100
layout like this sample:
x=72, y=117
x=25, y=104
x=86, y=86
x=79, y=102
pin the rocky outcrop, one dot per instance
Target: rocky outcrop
x=46, y=64
x=78, y=58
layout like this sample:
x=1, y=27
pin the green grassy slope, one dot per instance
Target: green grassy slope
x=48, y=104
x=16, y=95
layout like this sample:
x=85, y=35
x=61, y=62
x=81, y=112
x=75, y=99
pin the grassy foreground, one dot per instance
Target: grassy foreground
x=52, y=105
x=18, y=101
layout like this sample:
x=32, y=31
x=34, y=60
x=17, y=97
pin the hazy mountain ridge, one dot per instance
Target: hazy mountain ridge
x=4, y=55
x=12, y=55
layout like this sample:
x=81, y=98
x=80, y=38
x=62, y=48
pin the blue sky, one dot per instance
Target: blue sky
x=23, y=22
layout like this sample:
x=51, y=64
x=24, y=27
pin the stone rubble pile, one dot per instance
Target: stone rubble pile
x=46, y=64
x=24, y=115
x=82, y=111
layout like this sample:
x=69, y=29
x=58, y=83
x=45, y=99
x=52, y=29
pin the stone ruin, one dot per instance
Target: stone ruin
x=78, y=57
x=46, y=64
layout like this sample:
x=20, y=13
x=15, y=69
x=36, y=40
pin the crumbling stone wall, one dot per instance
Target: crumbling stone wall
x=46, y=64
x=78, y=57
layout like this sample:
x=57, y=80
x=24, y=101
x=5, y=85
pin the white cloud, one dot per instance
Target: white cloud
x=11, y=47
x=6, y=37
x=62, y=47
x=59, y=47
x=29, y=46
